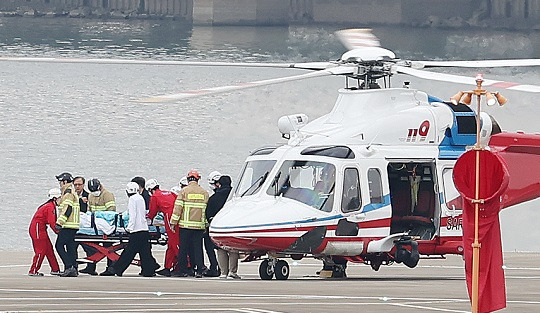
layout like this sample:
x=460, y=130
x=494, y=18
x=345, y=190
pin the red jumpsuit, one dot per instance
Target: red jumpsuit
x=163, y=201
x=45, y=214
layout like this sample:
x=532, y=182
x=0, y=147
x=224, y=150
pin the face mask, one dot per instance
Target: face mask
x=96, y=193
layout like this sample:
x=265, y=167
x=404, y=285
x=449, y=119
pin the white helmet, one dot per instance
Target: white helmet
x=176, y=190
x=151, y=184
x=132, y=188
x=54, y=193
x=183, y=182
x=213, y=178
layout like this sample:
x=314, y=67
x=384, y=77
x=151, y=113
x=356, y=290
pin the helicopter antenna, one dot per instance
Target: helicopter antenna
x=372, y=140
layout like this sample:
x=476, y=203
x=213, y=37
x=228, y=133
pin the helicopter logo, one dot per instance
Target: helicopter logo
x=419, y=133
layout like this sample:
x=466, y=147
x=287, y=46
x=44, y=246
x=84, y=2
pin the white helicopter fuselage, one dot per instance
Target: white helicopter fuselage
x=390, y=154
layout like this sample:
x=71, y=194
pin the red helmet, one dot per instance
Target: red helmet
x=193, y=173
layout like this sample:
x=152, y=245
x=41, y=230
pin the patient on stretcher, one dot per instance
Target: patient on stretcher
x=109, y=222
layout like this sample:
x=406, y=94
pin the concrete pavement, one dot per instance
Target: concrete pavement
x=435, y=285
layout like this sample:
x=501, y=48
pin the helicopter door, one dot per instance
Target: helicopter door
x=452, y=206
x=351, y=203
x=413, y=198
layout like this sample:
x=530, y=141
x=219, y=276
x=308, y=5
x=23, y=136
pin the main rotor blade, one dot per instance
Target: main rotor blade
x=357, y=38
x=342, y=70
x=466, y=80
x=307, y=66
x=478, y=63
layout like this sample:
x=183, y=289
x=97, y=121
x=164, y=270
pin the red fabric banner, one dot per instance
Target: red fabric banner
x=493, y=183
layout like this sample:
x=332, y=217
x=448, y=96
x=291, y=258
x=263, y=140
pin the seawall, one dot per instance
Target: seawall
x=519, y=14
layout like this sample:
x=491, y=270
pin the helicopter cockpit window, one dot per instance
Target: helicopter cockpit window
x=309, y=182
x=351, y=200
x=253, y=177
x=375, y=186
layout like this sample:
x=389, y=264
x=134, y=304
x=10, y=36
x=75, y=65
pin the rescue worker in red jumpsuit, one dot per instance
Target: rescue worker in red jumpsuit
x=45, y=214
x=163, y=201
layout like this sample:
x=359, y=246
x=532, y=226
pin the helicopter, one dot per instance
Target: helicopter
x=371, y=181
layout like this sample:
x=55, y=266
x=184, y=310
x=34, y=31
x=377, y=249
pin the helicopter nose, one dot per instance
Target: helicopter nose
x=255, y=226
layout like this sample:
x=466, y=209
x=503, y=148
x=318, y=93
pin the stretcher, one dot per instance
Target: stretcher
x=104, y=232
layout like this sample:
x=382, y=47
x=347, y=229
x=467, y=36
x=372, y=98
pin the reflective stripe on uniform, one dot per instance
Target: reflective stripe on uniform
x=195, y=196
x=174, y=219
x=94, y=208
x=186, y=221
x=189, y=224
x=71, y=221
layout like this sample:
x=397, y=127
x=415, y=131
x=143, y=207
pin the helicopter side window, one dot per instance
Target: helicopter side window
x=351, y=200
x=453, y=199
x=375, y=185
x=308, y=182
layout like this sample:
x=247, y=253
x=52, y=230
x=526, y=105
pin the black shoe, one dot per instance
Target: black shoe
x=70, y=272
x=211, y=273
x=164, y=272
x=108, y=272
x=149, y=275
x=88, y=271
x=198, y=275
x=178, y=274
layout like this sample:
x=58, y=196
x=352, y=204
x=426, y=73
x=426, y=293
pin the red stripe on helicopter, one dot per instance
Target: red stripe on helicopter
x=385, y=222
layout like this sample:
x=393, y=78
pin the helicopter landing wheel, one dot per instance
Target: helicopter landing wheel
x=266, y=270
x=282, y=270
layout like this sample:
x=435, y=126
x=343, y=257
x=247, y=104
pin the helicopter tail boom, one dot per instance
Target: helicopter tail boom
x=521, y=152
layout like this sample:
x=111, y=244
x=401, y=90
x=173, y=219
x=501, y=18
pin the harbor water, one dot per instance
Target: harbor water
x=82, y=118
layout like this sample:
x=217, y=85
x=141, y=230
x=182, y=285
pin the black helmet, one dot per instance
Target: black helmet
x=225, y=181
x=65, y=177
x=93, y=184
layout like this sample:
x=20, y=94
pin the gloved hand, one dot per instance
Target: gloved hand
x=172, y=226
x=58, y=227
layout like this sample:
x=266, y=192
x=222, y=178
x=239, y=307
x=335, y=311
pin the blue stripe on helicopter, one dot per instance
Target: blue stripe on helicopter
x=455, y=142
x=367, y=208
x=433, y=99
x=376, y=206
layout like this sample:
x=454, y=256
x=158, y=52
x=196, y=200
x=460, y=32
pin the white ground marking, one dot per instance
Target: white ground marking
x=142, y=310
x=258, y=311
x=427, y=308
x=217, y=295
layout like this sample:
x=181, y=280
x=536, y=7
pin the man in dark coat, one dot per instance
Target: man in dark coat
x=227, y=260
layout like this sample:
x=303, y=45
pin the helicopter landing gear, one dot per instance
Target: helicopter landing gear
x=408, y=257
x=271, y=267
x=266, y=269
x=282, y=270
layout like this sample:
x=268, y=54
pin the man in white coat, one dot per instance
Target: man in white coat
x=138, y=236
